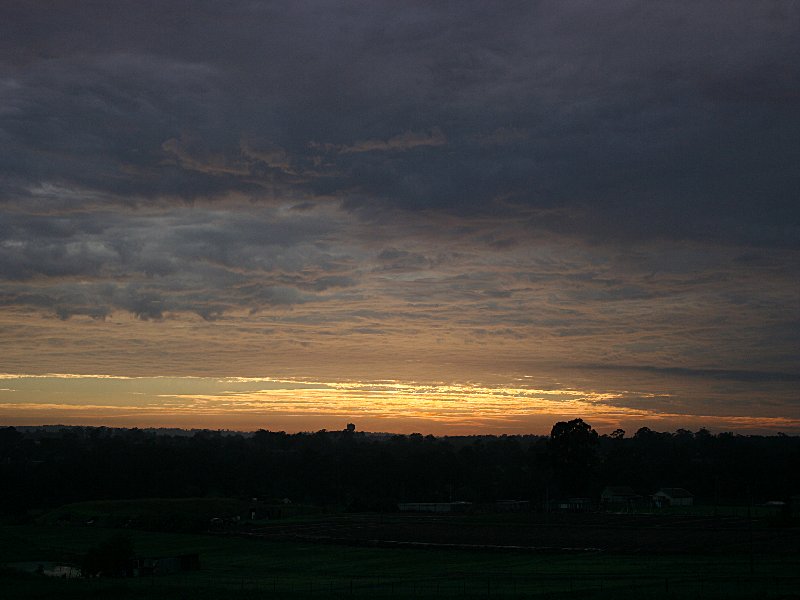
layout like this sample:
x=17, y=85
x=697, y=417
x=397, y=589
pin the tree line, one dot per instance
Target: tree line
x=43, y=468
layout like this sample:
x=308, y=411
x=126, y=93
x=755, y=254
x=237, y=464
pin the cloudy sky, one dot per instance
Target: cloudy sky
x=418, y=216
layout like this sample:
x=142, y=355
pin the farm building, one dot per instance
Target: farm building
x=619, y=495
x=576, y=504
x=673, y=497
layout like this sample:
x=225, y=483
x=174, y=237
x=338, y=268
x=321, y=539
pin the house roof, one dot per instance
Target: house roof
x=675, y=493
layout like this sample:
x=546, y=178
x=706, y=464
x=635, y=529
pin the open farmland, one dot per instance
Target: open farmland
x=465, y=556
x=624, y=533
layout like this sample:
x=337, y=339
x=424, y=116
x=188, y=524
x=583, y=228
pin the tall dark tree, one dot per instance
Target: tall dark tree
x=573, y=448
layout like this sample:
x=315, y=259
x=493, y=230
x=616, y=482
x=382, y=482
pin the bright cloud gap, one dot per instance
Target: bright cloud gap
x=292, y=403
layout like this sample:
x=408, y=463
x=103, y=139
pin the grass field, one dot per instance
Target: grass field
x=252, y=567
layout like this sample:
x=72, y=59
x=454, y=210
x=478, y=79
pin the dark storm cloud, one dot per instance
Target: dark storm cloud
x=620, y=120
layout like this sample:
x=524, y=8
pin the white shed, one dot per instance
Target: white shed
x=673, y=497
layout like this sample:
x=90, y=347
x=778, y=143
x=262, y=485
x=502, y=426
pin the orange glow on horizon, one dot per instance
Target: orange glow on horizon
x=249, y=403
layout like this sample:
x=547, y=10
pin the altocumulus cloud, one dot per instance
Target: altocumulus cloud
x=628, y=117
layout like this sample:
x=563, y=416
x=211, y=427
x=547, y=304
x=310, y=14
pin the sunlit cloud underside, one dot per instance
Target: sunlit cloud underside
x=304, y=405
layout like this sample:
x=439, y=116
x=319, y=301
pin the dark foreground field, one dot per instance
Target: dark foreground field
x=549, y=533
x=400, y=556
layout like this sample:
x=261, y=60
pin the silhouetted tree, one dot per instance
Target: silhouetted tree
x=617, y=434
x=573, y=445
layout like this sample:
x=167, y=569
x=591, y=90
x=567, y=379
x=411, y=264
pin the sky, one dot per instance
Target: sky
x=444, y=217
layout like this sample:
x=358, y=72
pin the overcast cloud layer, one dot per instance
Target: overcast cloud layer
x=578, y=195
